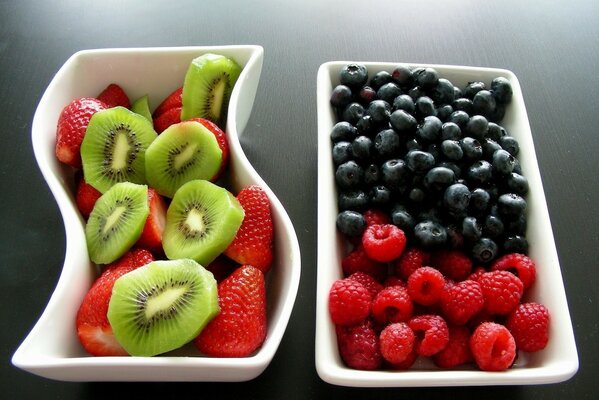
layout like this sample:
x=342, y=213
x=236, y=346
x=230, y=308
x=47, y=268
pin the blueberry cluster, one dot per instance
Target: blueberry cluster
x=434, y=156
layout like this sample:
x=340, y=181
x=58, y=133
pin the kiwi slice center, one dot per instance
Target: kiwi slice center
x=120, y=152
x=194, y=225
x=163, y=304
x=117, y=216
x=183, y=157
x=217, y=95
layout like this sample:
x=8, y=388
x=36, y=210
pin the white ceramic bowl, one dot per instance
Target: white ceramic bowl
x=557, y=362
x=52, y=348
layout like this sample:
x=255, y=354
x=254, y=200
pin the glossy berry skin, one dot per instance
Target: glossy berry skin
x=387, y=143
x=419, y=161
x=403, y=121
x=379, y=79
x=353, y=75
x=342, y=152
x=396, y=342
x=456, y=197
x=379, y=111
x=477, y=127
x=463, y=104
x=380, y=196
x=404, y=102
x=359, y=346
x=443, y=92
x=459, y=117
x=388, y=92
x=86, y=197
x=473, y=88
x=424, y=107
x=349, y=302
x=356, y=200
x=402, y=218
x=484, y=250
x=402, y=75
x=492, y=226
x=430, y=234
x=529, y=324
x=366, y=95
x=343, y=131
x=484, y=103
x=173, y=100
x=432, y=334
x=351, y=223
x=426, y=77
x=113, y=96
x=341, y=96
x=510, y=144
x=472, y=148
x=502, y=90
x=471, y=228
x=517, y=184
x=503, y=162
x=362, y=148
x=511, y=205
x=493, y=347
x=429, y=130
x=383, y=242
x=353, y=112
x=349, y=175
x=394, y=172
x=439, y=178
x=479, y=201
x=451, y=149
x=480, y=173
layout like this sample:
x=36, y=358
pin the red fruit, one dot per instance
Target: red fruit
x=93, y=329
x=151, y=236
x=223, y=144
x=425, y=285
x=114, y=96
x=477, y=273
x=349, y=302
x=502, y=291
x=392, y=304
x=383, y=242
x=529, y=324
x=173, y=100
x=405, y=364
x=253, y=242
x=411, y=259
x=70, y=130
x=374, y=216
x=373, y=286
x=520, y=265
x=454, y=264
x=396, y=342
x=394, y=281
x=462, y=301
x=359, y=346
x=166, y=119
x=493, y=347
x=457, y=352
x=358, y=261
x=86, y=197
x=222, y=267
x=432, y=334
x=240, y=327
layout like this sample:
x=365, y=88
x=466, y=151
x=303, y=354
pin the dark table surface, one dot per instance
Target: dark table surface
x=552, y=46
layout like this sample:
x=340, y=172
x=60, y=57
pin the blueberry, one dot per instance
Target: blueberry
x=471, y=148
x=450, y=131
x=457, y=171
x=484, y=103
x=387, y=142
x=517, y=183
x=429, y=130
x=419, y=161
x=435, y=150
x=426, y=77
x=349, y=175
x=493, y=226
x=402, y=121
x=489, y=148
x=452, y=150
x=353, y=75
x=479, y=201
x=379, y=196
x=424, y=107
x=496, y=131
x=394, y=172
x=444, y=112
x=438, y=178
x=402, y=75
x=413, y=144
x=511, y=205
x=417, y=195
x=416, y=92
x=459, y=117
x=362, y=148
x=366, y=126
x=343, y=131
x=516, y=226
x=456, y=197
x=404, y=102
x=484, y=250
x=379, y=111
x=471, y=229
x=455, y=239
x=352, y=200
x=353, y=112
x=510, y=144
x=351, y=223
x=342, y=152
x=372, y=174
x=515, y=244
x=503, y=162
x=366, y=95
x=341, y=96
x=477, y=127
x=498, y=114
x=379, y=79
x=502, y=90
x=443, y=93
x=463, y=104
x=480, y=172
x=388, y=92
x=473, y=88
x=402, y=218
x=430, y=234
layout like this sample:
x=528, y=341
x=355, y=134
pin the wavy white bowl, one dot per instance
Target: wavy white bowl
x=52, y=349
x=557, y=362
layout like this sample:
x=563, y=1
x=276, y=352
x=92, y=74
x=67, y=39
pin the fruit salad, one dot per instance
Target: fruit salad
x=181, y=258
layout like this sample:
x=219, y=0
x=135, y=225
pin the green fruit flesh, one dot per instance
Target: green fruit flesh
x=207, y=88
x=114, y=146
x=161, y=306
x=116, y=221
x=183, y=152
x=141, y=106
x=201, y=221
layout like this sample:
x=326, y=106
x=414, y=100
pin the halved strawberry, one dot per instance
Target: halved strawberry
x=166, y=119
x=151, y=236
x=93, y=329
x=254, y=240
x=173, y=100
x=86, y=197
x=223, y=144
x=240, y=327
x=114, y=95
x=71, y=127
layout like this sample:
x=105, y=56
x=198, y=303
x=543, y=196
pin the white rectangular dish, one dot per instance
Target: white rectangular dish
x=556, y=363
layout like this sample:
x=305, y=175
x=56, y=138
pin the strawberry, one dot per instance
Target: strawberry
x=221, y=139
x=93, y=329
x=151, y=236
x=222, y=267
x=86, y=197
x=114, y=95
x=173, y=100
x=70, y=130
x=240, y=327
x=166, y=119
x=253, y=242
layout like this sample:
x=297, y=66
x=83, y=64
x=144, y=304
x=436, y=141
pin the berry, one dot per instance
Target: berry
x=502, y=291
x=457, y=197
x=383, y=242
x=461, y=301
x=424, y=107
x=511, y=205
x=401, y=217
x=352, y=113
x=240, y=326
x=457, y=352
x=379, y=111
x=493, y=347
x=472, y=148
x=419, y=161
x=425, y=285
x=373, y=286
x=349, y=175
x=359, y=346
x=402, y=75
x=349, y=302
x=342, y=152
x=396, y=342
x=430, y=234
x=426, y=77
x=477, y=126
x=438, y=179
x=404, y=102
x=432, y=334
x=484, y=103
x=170, y=117
x=362, y=148
x=520, y=265
x=222, y=267
x=460, y=118
x=221, y=139
x=394, y=172
x=343, y=131
x=388, y=92
x=502, y=90
x=358, y=261
x=355, y=200
x=402, y=121
x=375, y=216
x=114, y=95
x=173, y=100
x=529, y=324
x=151, y=236
x=454, y=264
x=392, y=304
x=429, y=130
x=387, y=142
x=353, y=75
x=351, y=223
x=86, y=197
x=503, y=162
x=341, y=96
x=473, y=88
x=484, y=250
x=451, y=149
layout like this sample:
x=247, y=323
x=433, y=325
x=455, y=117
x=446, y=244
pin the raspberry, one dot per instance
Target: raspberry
x=425, y=285
x=396, y=342
x=432, y=334
x=478, y=271
x=394, y=281
x=529, y=324
x=518, y=264
x=375, y=216
x=454, y=264
x=359, y=346
x=411, y=259
x=405, y=364
x=368, y=282
x=493, y=347
x=383, y=242
x=392, y=304
x=349, y=302
x=502, y=291
x=462, y=301
x=358, y=261
x=457, y=352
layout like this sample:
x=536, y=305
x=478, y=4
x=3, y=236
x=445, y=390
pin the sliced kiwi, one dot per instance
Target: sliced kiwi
x=161, y=306
x=141, y=106
x=116, y=221
x=114, y=146
x=183, y=152
x=201, y=222
x=207, y=88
